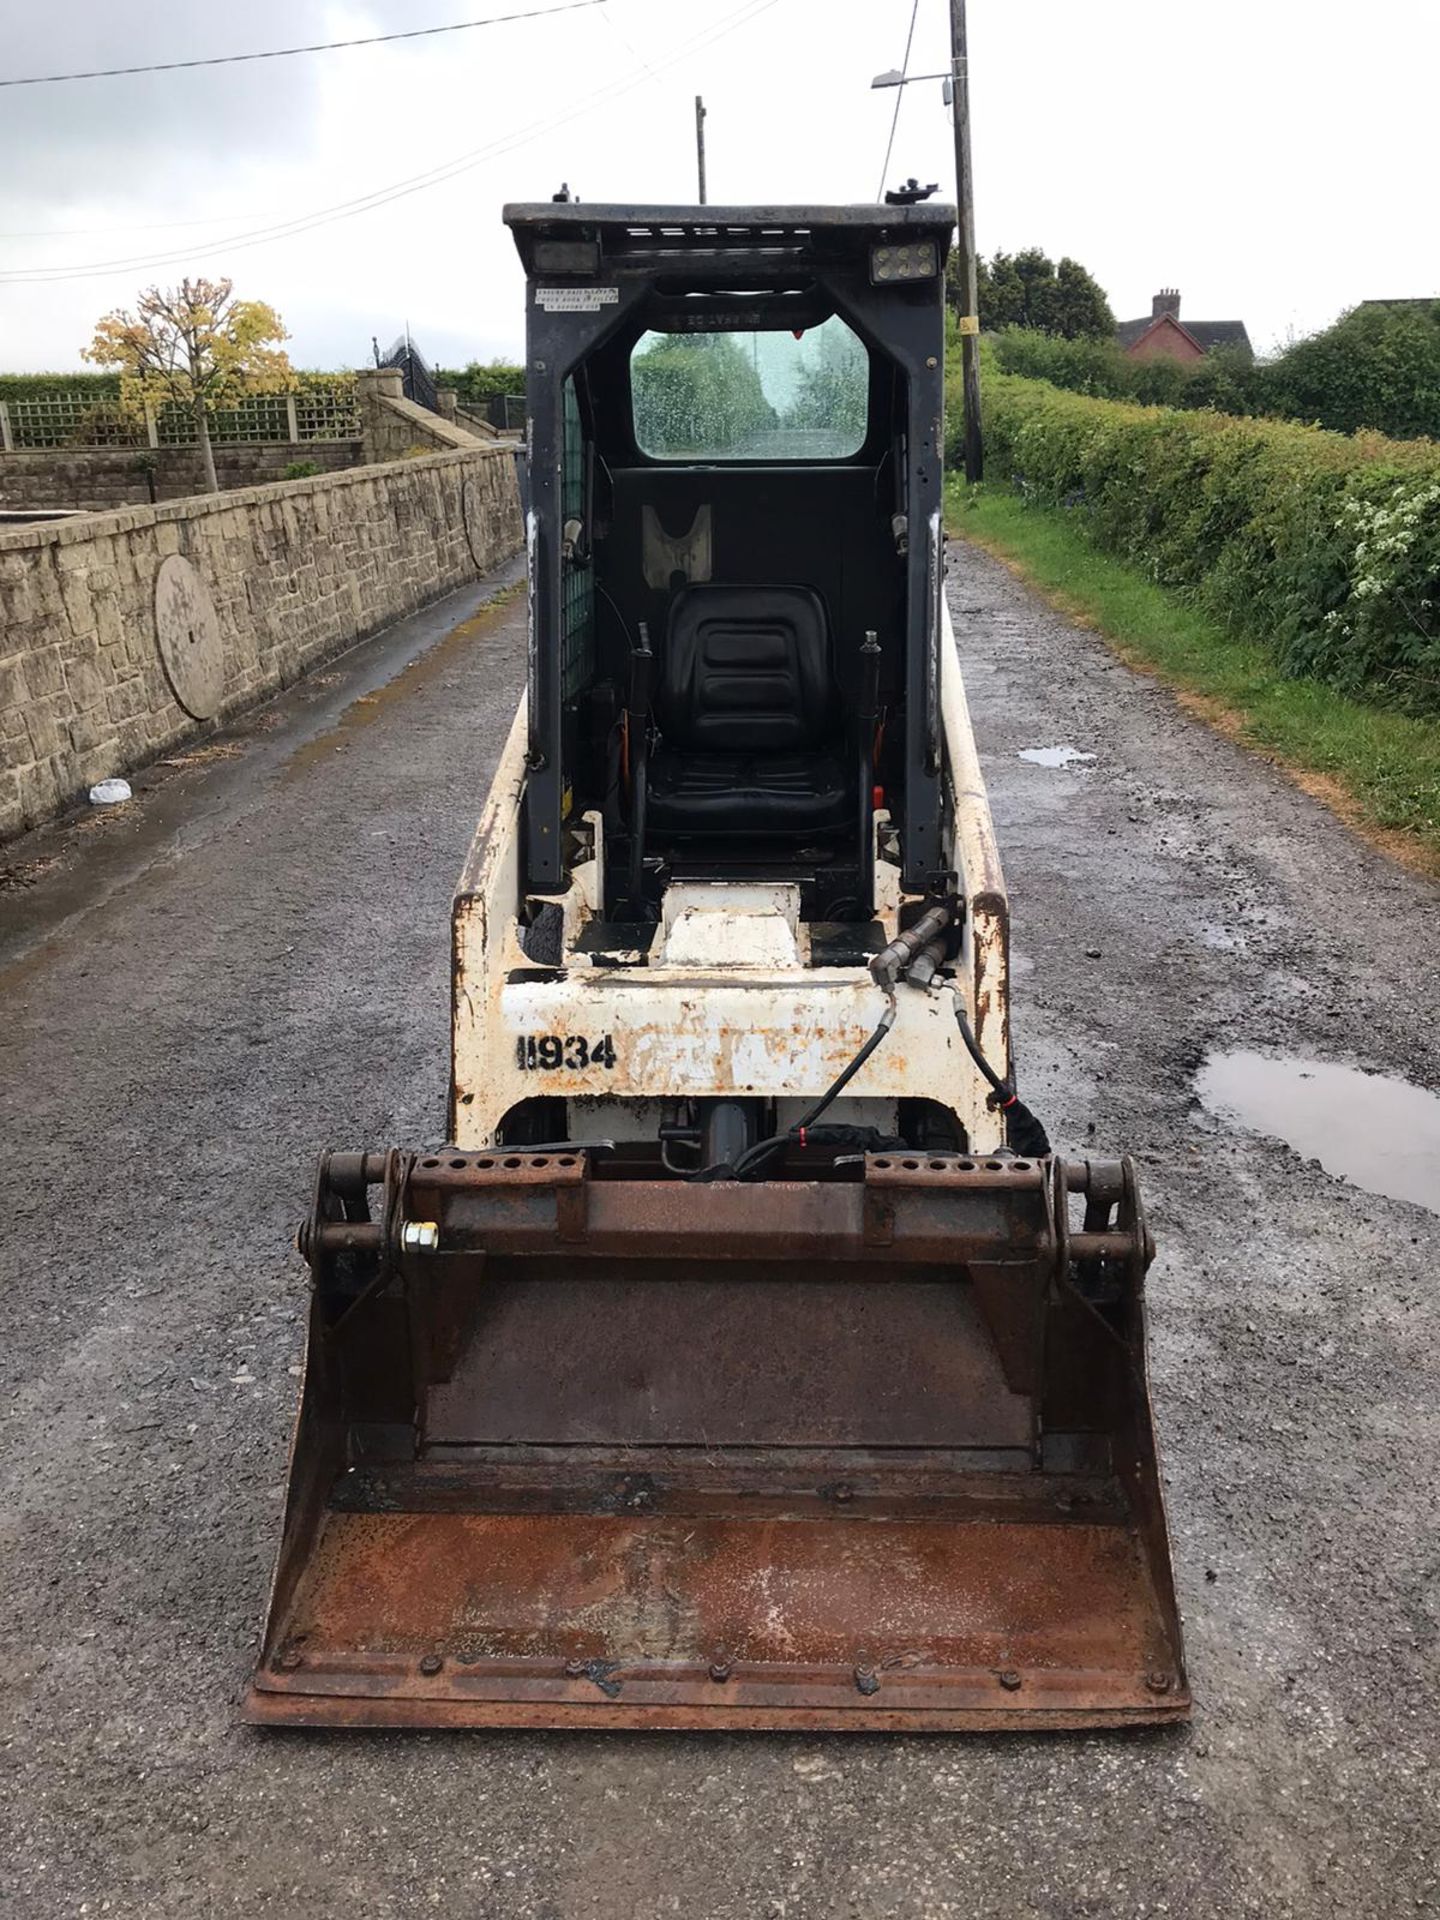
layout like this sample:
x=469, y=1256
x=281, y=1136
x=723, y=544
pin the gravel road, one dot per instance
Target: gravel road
x=251, y=962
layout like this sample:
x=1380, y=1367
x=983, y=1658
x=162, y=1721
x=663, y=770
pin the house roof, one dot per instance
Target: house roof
x=1207, y=334
x=1218, y=333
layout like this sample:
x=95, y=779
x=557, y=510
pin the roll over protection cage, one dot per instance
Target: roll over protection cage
x=594, y=271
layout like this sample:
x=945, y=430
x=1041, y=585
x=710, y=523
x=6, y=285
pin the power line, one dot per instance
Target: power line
x=120, y=226
x=381, y=196
x=286, y=53
x=899, y=96
x=625, y=40
x=397, y=190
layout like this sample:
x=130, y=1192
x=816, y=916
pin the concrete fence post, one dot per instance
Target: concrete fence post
x=292, y=421
x=152, y=428
x=6, y=443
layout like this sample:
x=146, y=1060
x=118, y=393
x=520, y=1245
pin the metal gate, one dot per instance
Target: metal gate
x=416, y=372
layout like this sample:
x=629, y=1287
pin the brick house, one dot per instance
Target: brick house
x=1164, y=333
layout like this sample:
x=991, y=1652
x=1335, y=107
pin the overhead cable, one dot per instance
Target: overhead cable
x=899, y=96
x=396, y=190
x=286, y=53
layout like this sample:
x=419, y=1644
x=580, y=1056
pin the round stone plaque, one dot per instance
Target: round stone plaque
x=187, y=633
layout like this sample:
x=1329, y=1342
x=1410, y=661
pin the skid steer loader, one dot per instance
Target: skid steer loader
x=746, y=1359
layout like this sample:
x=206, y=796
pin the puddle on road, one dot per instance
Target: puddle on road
x=1053, y=756
x=1378, y=1133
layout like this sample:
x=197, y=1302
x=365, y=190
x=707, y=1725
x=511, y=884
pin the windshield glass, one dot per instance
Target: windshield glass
x=751, y=396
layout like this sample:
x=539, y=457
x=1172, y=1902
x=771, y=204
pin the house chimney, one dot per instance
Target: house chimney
x=1166, y=301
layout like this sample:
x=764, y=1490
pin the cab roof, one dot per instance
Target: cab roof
x=575, y=237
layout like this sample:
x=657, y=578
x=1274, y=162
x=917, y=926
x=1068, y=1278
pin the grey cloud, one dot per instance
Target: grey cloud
x=89, y=140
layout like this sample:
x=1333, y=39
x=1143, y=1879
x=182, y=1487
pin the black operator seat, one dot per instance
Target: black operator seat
x=748, y=716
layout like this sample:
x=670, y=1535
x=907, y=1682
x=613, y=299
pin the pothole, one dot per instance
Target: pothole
x=1053, y=756
x=1377, y=1132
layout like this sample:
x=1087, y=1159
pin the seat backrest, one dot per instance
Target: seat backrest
x=746, y=670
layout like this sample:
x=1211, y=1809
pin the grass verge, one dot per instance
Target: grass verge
x=1379, y=770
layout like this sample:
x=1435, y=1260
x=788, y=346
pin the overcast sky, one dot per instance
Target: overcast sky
x=1274, y=159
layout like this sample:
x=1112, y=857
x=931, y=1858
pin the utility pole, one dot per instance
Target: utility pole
x=700, y=143
x=966, y=269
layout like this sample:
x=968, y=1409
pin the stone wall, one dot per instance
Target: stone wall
x=394, y=428
x=476, y=423
x=98, y=479
x=466, y=417
x=268, y=582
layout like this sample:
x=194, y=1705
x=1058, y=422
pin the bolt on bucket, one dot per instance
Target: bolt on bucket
x=871, y=1450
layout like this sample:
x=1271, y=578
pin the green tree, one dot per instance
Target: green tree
x=1029, y=290
x=697, y=393
x=196, y=345
x=1377, y=367
x=833, y=387
x=1081, y=309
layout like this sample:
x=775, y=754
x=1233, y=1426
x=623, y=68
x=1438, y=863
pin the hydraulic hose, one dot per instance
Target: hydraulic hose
x=867, y=710
x=637, y=725
x=1024, y=1133
x=754, y=1159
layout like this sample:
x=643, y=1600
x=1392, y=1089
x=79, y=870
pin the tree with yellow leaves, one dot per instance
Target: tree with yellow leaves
x=196, y=345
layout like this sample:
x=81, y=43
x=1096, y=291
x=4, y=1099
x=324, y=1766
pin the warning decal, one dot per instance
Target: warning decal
x=576, y=299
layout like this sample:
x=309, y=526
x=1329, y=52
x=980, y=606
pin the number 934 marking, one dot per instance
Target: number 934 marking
x=549, y=1052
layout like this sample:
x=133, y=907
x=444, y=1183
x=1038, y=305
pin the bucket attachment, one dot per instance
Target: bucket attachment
x=860, y=1446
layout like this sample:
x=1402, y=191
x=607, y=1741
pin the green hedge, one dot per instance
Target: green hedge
x=27, y=386
x=1227, y=379
x=476, y=383
x=1324, y=548
x=1378, y=367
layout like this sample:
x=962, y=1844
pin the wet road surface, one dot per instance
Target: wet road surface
x=250, y=963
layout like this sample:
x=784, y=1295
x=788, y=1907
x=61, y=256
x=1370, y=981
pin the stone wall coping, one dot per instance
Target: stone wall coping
x=435, y=425
x=97, y=526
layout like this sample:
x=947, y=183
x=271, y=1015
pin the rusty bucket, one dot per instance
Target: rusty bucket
x=582, y=1446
